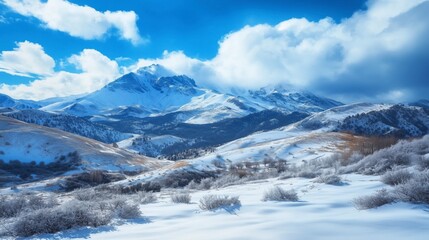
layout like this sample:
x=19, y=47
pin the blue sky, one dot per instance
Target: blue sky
x=64, y=42
x=193, y=26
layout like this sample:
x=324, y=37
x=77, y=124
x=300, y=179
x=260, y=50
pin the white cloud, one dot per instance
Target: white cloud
x=27, y=59
x=374, y=53
x=380, y=54
x=78, y=21
x=96, y=71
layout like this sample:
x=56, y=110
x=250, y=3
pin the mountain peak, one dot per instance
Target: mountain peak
x=156, y=70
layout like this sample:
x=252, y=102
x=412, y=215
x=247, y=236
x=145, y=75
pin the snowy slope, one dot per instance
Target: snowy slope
x=324, y=212
x=330, y=119
x=310, y=138
x=196, y=136
x=72, y=124
x=27, y=142
x=150, y=146
x=398, y=120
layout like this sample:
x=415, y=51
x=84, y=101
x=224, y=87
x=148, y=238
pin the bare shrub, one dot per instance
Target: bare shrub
x=415, y=190
x=89, y=179
x=206, y=183
x=128, y=211
x=11, y=206
x=150, y=186
x=181, y=198
x=279, y=194
x=67, y=216
x=423, y=162
x=14, y=205
x=227, y=180
x=213, y=202
x=192, y=185
x=146, y=197
x=352, y=159
x=404, y=153
x=380, y=198
x=396, y=177
x=331, y=179
x=87, y=195
x=307, y=173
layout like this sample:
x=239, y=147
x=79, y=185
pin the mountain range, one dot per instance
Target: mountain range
x=157, y=113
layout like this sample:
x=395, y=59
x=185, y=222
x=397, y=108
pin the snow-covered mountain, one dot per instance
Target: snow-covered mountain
x=72, y=124
x=8, y=102
x=397, y=120
x=330, y=119
x=154, y=91
x=291, y=101
x=149, y=90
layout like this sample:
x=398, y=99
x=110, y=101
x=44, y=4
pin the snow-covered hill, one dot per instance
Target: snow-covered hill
x=324, y=212
x=397, y=120
x=330, y=119
x=72, y=124
x=33, y=143
x=314, y=137
x=193, y=136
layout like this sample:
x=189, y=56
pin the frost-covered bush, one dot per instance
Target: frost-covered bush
x=63, y=217
x=181, y=198
x=332, y=179
x=29, y=214
x=354, y=158
x=415, y=190
x=227, y=180
x=150, y=186
x=89, y=179
x=307, y=173
x=423, y=162
x=380, y=198
x=128, y=211
x=396, y=177
x=213, y=202
x=404, y=153
x=90, y=194
x=204, y=184
x=12, y=206
x=309, y=169
x=192, y=185
x=146, y=197
x=279, y=194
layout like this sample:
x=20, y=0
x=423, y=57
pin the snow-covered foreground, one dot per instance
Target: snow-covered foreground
x=323, y=212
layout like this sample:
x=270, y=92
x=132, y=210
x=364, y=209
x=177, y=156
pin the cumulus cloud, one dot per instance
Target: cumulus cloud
x=379, y=54
x=78, y=21
x=27, y=59
x=96, y=70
